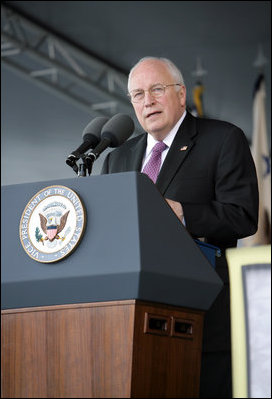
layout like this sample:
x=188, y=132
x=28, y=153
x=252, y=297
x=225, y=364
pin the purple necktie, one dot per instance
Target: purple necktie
x=152, y=167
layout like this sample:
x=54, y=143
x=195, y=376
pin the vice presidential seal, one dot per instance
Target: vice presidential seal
x=52, y=224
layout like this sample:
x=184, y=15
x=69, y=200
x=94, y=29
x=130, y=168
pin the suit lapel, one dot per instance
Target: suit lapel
x=136, y=153
x=179, y=150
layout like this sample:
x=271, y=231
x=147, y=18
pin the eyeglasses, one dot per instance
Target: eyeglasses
x=156, y=91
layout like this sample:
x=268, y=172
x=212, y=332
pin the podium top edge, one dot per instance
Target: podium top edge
x=66, y=180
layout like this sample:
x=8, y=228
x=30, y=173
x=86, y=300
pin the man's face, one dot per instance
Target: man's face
x=159, y=115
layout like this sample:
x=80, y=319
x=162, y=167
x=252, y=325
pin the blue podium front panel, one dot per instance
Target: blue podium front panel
x=126, y=252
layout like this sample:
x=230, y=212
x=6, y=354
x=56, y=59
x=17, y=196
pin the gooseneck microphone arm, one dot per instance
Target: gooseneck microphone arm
x=98, y=135
x=89, y=142
x=114, y=133
x=71, y=161
x=94, y=154
x=91, y=137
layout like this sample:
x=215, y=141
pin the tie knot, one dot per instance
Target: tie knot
x=159, y=147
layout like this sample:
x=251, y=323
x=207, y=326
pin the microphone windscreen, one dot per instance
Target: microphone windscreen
x=118, y=129
x=92, y=132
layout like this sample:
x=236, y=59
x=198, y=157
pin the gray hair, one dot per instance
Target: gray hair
x=172, y=68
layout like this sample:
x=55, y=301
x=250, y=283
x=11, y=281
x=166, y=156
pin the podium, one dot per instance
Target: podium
x=122, y=315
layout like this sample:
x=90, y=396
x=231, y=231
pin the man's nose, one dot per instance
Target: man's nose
x=148, y=99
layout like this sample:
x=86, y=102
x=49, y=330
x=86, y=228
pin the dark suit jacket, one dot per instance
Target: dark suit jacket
x=214, y=179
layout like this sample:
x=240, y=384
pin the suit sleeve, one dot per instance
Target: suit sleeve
x=233, y=213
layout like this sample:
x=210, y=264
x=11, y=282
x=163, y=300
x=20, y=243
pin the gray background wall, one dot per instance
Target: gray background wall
x=39, y=130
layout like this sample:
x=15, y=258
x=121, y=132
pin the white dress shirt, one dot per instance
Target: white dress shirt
x=168, y=141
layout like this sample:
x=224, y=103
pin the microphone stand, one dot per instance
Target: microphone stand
x=89, y=161
x=81, y=170
x=94, y=154
x=86, y=165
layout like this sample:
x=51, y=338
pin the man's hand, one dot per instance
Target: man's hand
x=176, y=207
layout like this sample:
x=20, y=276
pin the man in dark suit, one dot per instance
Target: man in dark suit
x=207, y=176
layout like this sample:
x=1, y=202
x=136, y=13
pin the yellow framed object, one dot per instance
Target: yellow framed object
x=239, y=259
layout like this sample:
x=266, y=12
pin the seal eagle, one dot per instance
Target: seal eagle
x=51, y=228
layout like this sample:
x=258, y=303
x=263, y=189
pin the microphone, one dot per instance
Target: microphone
x=114, y=133
x=90, y=136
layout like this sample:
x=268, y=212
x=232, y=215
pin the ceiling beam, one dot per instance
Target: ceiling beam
x=64, y=69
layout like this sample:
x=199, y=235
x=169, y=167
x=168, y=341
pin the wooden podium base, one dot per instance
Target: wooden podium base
x=120, y=349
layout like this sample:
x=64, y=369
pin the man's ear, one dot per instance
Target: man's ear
x=182, y=96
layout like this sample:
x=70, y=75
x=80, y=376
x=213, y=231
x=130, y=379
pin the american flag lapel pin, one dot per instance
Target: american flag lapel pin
x=184, y=148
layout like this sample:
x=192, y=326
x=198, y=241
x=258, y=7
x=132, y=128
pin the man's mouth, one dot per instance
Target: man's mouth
x=152, y=114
